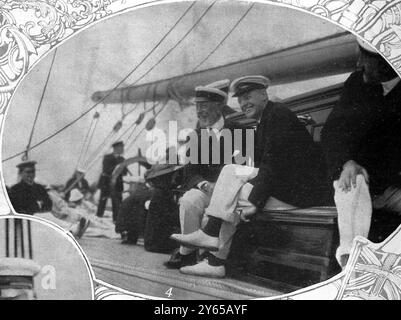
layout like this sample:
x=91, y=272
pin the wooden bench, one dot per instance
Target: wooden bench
x=295, y=247
x=291, y=249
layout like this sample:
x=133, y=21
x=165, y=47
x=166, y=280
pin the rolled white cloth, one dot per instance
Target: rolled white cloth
x=354, y=214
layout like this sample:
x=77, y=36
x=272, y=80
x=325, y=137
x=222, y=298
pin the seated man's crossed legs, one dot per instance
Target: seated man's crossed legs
x=228, y=206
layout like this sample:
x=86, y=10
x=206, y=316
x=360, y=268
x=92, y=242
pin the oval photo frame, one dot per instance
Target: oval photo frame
x=28, y=42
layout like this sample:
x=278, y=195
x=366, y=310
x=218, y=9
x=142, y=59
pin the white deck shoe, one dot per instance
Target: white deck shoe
x=197, y=239
x=204, y=269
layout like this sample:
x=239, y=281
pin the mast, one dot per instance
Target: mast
x=323, y=57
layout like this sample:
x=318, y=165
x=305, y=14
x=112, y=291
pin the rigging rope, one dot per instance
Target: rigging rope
x=177, y=44
x=225, y=38
x=108, y=140
x=88, y=138
x=139, y=133
x=163, y=57
x=39, y=106
x=108, y=94
x=207, y=57
x=132, y=128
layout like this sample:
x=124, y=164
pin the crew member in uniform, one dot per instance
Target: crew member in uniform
x=289, y=172
x=362, y=142
x=27, y=196
x=110, y=161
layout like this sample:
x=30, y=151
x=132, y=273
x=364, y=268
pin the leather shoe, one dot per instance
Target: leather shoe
x=197, y=239
x=178, y=260
x=128, y=238
x=204, y=269
x=82, y=226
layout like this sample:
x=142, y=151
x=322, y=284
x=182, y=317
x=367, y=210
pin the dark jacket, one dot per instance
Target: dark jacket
x=365, y=126
x=291, y=167
x=198, y=172
x=29, y=199
x=110, y=161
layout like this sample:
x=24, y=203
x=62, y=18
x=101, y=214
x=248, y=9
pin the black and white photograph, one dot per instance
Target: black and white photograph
x=208, y=150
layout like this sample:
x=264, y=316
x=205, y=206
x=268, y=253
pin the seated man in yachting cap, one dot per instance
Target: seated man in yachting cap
x=288, y=173
x=361, y=139
x=201, y=178
x=16, y=278
x=27, y=196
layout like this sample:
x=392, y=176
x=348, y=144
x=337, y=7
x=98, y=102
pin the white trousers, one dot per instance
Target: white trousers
x=229, y=198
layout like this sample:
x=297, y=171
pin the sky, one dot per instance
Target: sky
x=102, y=55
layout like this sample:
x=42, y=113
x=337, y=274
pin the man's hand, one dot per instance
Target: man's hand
x=348, y=176
x=247, y=212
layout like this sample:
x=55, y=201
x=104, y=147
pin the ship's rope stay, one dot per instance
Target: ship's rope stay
x=28, y=146
x=87, y=140
x=85, y=160
x=82, y=115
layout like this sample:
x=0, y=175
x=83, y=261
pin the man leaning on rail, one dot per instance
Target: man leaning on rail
x=289, y=172
x=362, y=142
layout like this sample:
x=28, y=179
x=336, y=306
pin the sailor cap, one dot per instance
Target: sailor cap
x=26, y=164
x=248, y=83
x=207, y=93
x=116, y=144
x=222, y=85
x=366, y=46
x=75, y=195
x=18, y=267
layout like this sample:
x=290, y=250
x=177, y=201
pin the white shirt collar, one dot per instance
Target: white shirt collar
x=218, y=125
x=389, y=85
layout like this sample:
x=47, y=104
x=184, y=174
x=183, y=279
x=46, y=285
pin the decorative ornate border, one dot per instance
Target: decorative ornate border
x=31, y=29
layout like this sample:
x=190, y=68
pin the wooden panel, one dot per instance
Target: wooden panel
x=292, y=275
x=295, y=247
x=297, y=238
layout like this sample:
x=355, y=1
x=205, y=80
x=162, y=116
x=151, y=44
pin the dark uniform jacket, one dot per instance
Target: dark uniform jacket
x=110, y=161
x=291, y=167
x=196, y=173
x=29, y=199
x=365, y=126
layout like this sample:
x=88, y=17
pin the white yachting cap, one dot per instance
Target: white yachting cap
x=18, y=267
x=75, y=195
x=248, y=83
x=365, y=45
x=207, y=93
x=222, y=85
